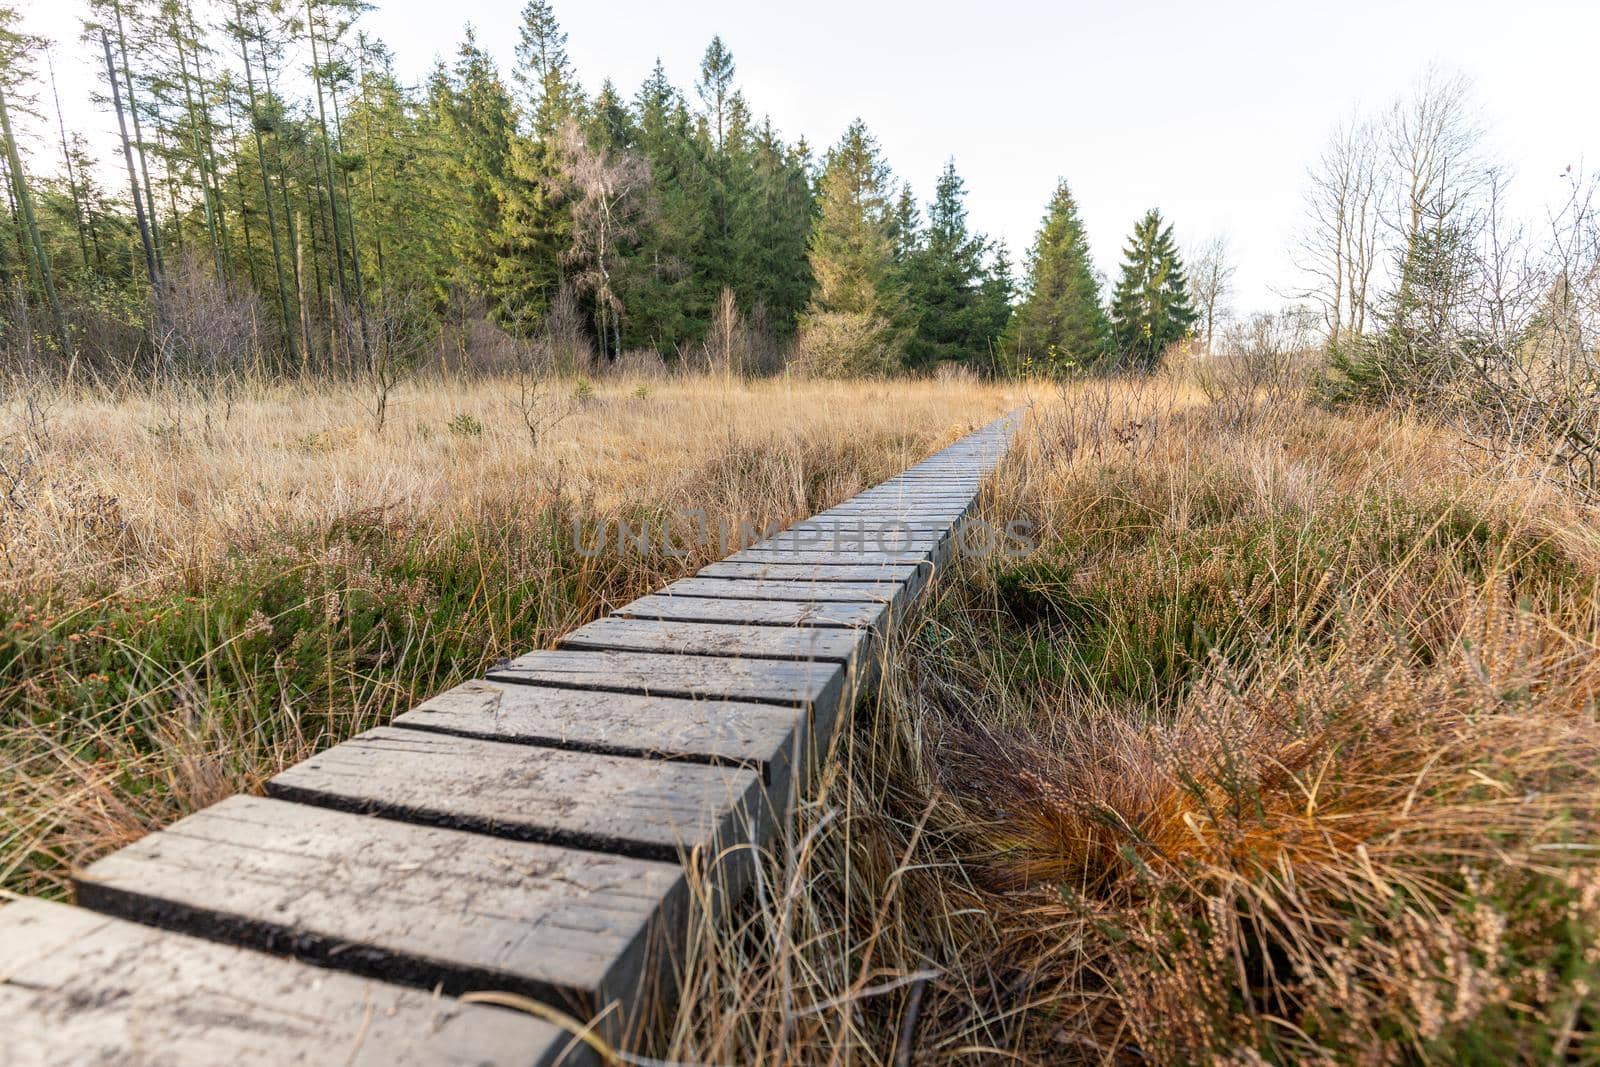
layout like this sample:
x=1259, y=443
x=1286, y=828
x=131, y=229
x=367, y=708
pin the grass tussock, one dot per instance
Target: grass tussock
x=1281, y=747
x=198, y=590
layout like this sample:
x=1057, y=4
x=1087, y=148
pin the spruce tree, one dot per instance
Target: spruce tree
x=544, y=72
x=479, y=123
x=850, y=325
x=771, y=227
x=670, y=301
x=533, y=220
x=1060, y=324
x=954, y=312
x=994, y=309
x=723, y=106
x=1150, y=309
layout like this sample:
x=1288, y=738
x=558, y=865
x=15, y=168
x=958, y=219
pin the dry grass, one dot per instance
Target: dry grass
x=140, y=489
x=1281, y=748
x=197, y=590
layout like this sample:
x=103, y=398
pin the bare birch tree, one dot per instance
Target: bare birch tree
x=610, y=200
x=1433, y=143
x=1339, y=246
x=1211, y=271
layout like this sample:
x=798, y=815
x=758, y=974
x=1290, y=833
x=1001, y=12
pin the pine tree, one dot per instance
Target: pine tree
x=945, y=281
x=1150, y=309
x=480, y=121
x=544, y=72
x=723, y=134
x=1425, y=339
x=851, y=325
x=1060, y=324
x=15, y=58
x=994, y=308
x=535, y=223
x=669, y=300
x=771, y=228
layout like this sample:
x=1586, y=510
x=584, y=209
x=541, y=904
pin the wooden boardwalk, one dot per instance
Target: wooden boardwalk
x=523, y=833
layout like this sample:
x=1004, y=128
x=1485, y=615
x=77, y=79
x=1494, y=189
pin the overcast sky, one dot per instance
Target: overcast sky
x=1208, y=109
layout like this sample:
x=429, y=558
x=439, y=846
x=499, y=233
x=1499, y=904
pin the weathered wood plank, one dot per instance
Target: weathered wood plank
x=919, y=494
x=814, y=572
x=940, y=519
x=81, y=988
x=789, y=554
x=762, y=737
x=909, y=509
x=853, y=536
x=755, y=612
x=648, y=809
x=767, y=681
x=843, y=525
x=718, y=639
x=728, y=732
x=418, y=905
x=795, y=592
x=940, y=486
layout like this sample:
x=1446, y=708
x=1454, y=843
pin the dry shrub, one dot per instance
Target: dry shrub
x=639, y=363
x=1264, y=361
x=737, y=345
x=477, y=345
x=956, y=374
x=204, y=326
x=563, y=341
x=840, y=344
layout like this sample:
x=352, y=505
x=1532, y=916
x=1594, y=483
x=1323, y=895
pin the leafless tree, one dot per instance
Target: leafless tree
x=610, y=200
x=397, y=335
x=737, y=344
x=1433, y=146
x=1211, y=271
x=1534, y=375
x=1338, y=247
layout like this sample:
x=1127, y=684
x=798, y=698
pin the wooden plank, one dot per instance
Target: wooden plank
x=832, y=645
x=789, y=554
x=417, y=905
x=822, y=689
x=920, y=494
x=813, y=572
x=939, y=487
x=936, y=476
x=755, y=612
x=909, y=509
x=762, y=737
x=80, y=988
x=848, y=523
x=859, y=534
x=729, y=732
x=941, y=518
x=648, y=809
x=789, y=591
x=767, y=681
x=879, y=542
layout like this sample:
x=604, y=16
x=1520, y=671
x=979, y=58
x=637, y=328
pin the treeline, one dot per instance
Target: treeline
x=286, y=203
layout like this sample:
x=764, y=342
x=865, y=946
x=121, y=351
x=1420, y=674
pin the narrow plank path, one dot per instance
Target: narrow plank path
x=526, y=833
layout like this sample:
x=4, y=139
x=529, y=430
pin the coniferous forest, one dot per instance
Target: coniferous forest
x=282, y=202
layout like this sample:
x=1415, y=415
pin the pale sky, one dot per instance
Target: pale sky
x=1210, y=111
